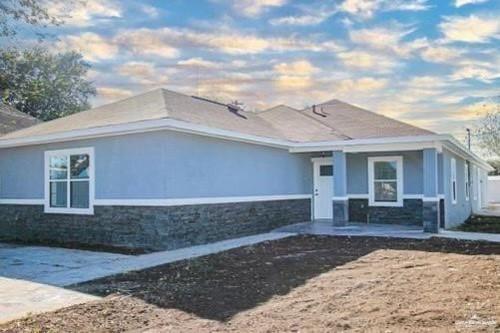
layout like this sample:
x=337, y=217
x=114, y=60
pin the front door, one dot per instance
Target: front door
x=323, y=188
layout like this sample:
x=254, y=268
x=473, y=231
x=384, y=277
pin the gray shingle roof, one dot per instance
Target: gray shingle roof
x=338, y=121
x=12, y=120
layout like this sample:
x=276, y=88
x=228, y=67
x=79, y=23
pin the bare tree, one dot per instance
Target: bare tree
x=487, y=132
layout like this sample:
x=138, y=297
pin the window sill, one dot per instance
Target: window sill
x=385, y=204
x=69, y=211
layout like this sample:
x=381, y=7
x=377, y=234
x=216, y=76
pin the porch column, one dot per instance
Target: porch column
x=340, y=201
x=430, y=201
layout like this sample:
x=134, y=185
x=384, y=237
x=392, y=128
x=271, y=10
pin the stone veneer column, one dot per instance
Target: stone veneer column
x=340, y=202
x=430, y=204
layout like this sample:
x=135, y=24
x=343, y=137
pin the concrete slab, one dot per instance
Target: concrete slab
x=382, y=230
x=355, y=229
x=19, y=298
x=31, y=277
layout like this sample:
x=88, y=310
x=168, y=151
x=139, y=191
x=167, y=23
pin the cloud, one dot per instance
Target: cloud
x=476, y=73
x=359, y=59
x=385, y=38
x=92, y=46
x=460, y=3
x=253, y=8
x=151, y=11
x=143, y=73
x=86, y=13
x=364, y=84
x=164, y=41
x=110, y=94
x=146, y=42
x=294, y=75
x=471, y=29
x=475, y=110
x=302, y=20
x=198, y=63
x=310, y=16
x=367, y=8
x=440, y=54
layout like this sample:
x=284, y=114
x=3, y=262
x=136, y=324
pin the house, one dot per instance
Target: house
x=12, y=119
x=163, y=170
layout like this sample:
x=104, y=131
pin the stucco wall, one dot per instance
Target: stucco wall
x=455, y=214
x=357, y=171
x=166, y=165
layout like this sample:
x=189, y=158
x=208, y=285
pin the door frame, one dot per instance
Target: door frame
x=317, y=161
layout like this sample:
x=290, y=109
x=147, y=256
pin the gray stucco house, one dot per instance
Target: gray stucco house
x=163, y=170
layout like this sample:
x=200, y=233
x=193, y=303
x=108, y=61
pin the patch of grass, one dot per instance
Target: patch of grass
x=481, y=223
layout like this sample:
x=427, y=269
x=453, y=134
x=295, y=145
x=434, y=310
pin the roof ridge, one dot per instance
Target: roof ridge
x=377, y=114
x=334, y=130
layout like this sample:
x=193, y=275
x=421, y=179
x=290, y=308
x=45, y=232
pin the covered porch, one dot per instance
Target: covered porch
x=398, y=187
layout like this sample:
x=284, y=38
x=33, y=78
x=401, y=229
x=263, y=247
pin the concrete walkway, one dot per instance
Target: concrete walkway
x=382, y=230
x=32, y=277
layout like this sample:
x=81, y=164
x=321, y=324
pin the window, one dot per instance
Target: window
x=326, y=170
x=453, y=175
x=467, y=184
x=385, y=176
x=474, y=180
x=69, y=181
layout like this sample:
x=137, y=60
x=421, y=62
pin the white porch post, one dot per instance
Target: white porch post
x=340, y=201
x=430, y=204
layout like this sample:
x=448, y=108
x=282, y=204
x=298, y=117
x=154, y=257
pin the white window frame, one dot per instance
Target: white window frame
x=399, y=181
x=474, y=181
x=467, y=182
x=68, y=152
x=453, y=181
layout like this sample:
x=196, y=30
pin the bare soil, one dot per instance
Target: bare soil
x=304, y=283
x=481, y=223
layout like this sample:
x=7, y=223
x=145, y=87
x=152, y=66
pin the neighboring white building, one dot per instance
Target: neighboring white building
x=494, y=189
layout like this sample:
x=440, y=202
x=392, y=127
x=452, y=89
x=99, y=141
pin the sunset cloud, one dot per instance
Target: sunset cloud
x=92, y=46
x=294, y=75
x=471, y=29
x=87, y=13
x=253, y=8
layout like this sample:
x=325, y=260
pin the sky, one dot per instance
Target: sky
x=434, y=64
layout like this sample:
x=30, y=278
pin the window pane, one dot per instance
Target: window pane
x=58, y=194
x=386, y=191
x=385, y=170
x=80, y=194
x=58, y=167
x=326, y=170
x=79, y=166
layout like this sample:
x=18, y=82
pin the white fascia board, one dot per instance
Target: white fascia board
x=293, y=147
x=459, y=149
x=142, y=127
x=424, y=140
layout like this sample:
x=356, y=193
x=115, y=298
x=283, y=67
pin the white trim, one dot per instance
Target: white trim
x=340, y=198
x=430, y=199
x=399, y=180
x=197, y=201
x=22, y=201
x=358, y=196
x=67, y=210
x=322, y=160
x=424, y=141
x=453, y=181
x=143, y=127
x=466, y=180
x=413, y=196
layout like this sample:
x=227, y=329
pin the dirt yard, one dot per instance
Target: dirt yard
x=481, y=223
x=306, y=284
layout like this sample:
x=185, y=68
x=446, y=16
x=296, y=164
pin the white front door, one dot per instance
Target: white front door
x=323, y=188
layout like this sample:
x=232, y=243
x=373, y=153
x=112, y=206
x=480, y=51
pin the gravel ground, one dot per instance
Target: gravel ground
x=303, y=283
